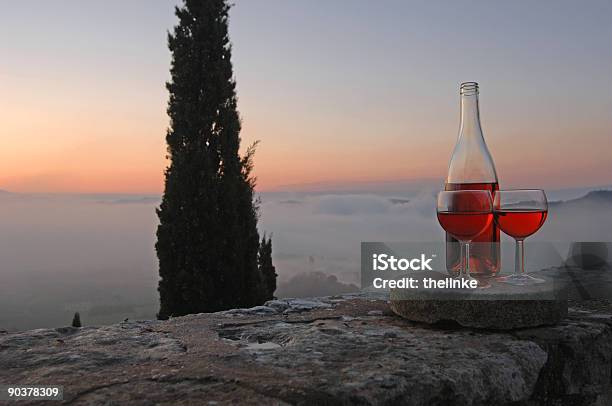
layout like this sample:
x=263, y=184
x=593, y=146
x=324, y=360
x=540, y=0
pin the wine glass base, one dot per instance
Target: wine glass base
x=481, y=283
x=520, y=280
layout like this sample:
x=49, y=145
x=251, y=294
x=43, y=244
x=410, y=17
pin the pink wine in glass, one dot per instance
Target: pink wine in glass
x=465, y=226
x=484, y=254
x=471, y=168
x=520, y=224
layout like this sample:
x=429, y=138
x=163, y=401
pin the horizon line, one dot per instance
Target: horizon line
x=295, y=187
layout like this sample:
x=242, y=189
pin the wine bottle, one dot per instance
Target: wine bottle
x=471, y=168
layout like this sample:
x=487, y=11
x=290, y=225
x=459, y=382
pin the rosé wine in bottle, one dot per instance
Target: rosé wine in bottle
x=471, y=168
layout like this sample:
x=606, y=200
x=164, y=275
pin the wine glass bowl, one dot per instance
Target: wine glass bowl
x=520, y=223
x=520, y=213
x=464, y=226
x=465, y=214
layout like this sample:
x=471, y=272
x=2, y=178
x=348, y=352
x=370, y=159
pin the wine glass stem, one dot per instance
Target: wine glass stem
x=466, y=260
x=519, y=258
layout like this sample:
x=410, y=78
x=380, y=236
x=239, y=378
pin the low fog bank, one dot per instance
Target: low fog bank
x=65, y=253
x=309, y=284
x=95, y=253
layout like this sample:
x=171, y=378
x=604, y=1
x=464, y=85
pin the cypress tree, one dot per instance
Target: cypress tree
x=266, y=269
x=76, y=320
x=207, y=239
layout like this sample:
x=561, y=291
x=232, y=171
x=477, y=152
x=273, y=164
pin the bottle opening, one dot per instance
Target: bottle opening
x=469, y=88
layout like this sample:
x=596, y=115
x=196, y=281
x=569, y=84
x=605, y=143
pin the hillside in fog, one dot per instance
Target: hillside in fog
x=94, y=253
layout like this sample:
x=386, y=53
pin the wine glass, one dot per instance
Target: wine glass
x=465, y=214
x=520, y=213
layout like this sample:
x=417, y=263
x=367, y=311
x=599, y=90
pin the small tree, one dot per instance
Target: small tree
x=76, y=320
x=267, y=269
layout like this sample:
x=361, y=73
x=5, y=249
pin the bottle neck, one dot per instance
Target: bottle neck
x=471, y=161
x=470, y=115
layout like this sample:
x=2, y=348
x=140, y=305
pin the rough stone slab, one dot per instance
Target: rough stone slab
x=496, y=315
x=498, y=307
x=335, y=350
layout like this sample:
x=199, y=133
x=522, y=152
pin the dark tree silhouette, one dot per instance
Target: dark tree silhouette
x=76, y=320
x=207, y=239
x=267, y=269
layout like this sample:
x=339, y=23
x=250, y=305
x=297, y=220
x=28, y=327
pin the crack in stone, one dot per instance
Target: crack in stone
x=94, y=389
x=297, y=321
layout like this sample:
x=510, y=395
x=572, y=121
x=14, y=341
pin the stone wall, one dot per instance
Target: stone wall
x=334, y=350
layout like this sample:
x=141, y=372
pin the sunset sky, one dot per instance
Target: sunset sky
x=337, y=91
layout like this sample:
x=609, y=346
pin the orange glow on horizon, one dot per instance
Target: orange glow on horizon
x=83, y=105
x=56, y=140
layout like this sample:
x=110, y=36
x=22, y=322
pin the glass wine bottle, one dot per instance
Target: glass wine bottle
x=471, y=168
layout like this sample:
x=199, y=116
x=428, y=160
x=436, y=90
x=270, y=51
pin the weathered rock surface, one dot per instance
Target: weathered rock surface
x=498, y=307
x=335, y=350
